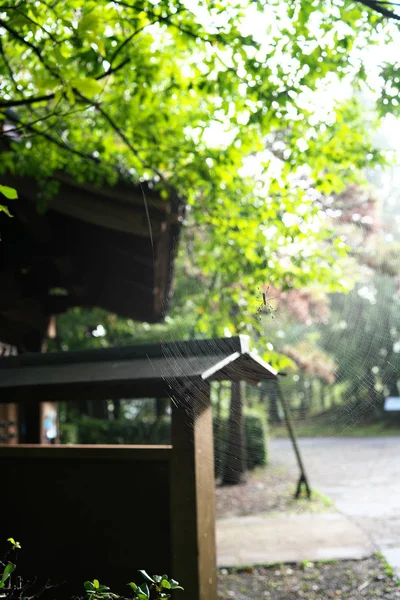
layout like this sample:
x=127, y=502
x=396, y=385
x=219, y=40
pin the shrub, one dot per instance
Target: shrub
x=156, y=587
x=96, y=431
x=87, y=430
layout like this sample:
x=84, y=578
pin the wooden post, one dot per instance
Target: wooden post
x=193, y=494
x=29, y=418
x=234, y=469
x=38, y=423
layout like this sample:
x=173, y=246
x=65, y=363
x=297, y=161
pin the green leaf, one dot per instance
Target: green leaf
x=88, y=585
x=96, y=584
x=146, y=575
x=144, y=591
x=5, y=210
x=89, y=22
x=9, y=568
x=175, y=585
x=87, y=86
x=133, y=586
x=11, y=194
x=69, y=92
x=166, y=584
x=61, y=60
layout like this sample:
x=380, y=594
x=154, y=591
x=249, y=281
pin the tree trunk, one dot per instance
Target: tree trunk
x=372, y=395
x=249, y=393
x=161, y=408
x=218, y=413
x=98, y=409
x=322, y=395
x=332, y=396
x=273, y=404
x=356, y=393
x=308, y=387
x=117, y=409
x=392, y=386
x=235, y=466
x=305, y=403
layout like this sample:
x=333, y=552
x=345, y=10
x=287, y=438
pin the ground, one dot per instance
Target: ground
x=352, y=580
x=362, y=478
x=268, y=490
x=338, y=426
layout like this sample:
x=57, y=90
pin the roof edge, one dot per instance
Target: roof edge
x=217, y=346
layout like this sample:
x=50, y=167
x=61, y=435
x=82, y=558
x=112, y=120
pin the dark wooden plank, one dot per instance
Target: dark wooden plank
x=87, y=517
x=85, y=391
x=87, y=452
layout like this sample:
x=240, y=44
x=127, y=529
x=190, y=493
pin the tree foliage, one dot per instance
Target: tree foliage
x=231, y=104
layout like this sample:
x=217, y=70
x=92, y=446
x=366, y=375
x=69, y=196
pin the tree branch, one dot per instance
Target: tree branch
x=9, y=69
x=25, y=101
x=124, y=138
x=162, y=19
x=51, y=36
x=129, y=38
x=48, y=97
x=34, y=49
x=374, y=5
x=57, y=142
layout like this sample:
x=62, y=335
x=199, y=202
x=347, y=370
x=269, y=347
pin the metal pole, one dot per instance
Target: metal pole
x=303, y=481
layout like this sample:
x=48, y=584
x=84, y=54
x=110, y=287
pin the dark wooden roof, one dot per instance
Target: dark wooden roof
x=91, y=247
x=132, y=371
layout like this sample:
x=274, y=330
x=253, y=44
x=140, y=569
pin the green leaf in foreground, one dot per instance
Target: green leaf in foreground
x=175, y=585
x=146, y=575
x=9, y=568
x=9, y=192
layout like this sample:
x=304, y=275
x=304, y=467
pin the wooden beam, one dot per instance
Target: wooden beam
x=118, y=452
x=122, y=192
x=192, y=494
x=92, y=207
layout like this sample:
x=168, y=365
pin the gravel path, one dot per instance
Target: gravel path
x=269, y=490
x=353, y=580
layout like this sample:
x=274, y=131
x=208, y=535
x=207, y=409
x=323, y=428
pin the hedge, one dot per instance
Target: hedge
x=87, y=430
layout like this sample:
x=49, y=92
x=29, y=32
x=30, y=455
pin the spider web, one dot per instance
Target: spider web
x=365, y=363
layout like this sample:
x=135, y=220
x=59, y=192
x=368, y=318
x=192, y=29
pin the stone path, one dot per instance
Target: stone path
x=361, y=476
x=265, y=539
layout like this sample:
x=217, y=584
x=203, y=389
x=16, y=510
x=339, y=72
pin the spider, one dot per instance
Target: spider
x=265, y=302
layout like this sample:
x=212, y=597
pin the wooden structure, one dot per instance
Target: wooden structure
x=85, y=512
x=111, y=247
